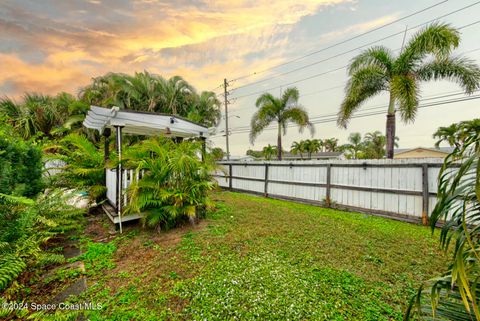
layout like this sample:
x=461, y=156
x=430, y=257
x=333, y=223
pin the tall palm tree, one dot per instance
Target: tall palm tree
x=378, y=70
x=281, y=110
x=298, y=148
x=269, y=151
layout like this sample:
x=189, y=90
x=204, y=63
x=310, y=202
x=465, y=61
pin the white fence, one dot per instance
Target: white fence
x=404, y=189
x=128, y=175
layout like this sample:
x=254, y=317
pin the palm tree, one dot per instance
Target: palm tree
x=448, y=134
x=312, y=146
x=330, y=144
x=374, y=145
x=298, y=148
x=355, y=144
x=269, y=151
x=175, y=92
x=377, y=70
x=282, y=111
x=205, y=109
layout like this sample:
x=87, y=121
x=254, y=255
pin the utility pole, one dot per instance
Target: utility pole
x=225, y=93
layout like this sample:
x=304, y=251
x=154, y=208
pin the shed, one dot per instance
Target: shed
x=104, y=120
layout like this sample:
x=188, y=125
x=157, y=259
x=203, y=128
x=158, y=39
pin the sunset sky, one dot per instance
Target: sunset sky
x=52, y=46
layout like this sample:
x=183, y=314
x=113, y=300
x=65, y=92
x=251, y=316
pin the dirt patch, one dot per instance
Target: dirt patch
x=150, y=255
x=99, y=227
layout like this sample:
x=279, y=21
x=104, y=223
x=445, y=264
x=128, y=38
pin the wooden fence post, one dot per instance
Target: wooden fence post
x=265, y=192
x=425, y=194
x=230, y=176
x=327, y=198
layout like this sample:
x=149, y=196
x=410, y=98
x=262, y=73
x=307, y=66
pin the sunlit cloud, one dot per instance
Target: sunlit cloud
x=62, y=45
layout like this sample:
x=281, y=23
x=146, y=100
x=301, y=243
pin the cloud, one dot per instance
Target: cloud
x=60, y=45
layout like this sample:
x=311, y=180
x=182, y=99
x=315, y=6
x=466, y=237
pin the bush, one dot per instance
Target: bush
x=20, y=165
x=175, y=183
x=84, y=164
x=26, y=226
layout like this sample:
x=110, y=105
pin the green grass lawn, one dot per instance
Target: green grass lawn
x=257, y=258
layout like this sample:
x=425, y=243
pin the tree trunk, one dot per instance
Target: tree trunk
x=390, y=130
x=279, y=142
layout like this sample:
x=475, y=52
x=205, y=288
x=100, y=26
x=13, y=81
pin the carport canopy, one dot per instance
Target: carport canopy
x=142, y=123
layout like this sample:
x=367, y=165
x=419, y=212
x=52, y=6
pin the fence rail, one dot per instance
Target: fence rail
x=403, y=189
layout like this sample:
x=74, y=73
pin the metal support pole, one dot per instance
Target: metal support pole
x=265, y=192
x=119, y=175
x=329, y=175
x=106, y=135
x=230, y=176
x=225, y=92
x=204, y=151
x=425, y=196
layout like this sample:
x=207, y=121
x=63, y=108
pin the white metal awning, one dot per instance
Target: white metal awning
x=142, y=123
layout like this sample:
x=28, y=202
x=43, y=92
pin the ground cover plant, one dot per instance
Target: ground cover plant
x=256, y=258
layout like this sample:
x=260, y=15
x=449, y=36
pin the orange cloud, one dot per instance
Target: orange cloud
x=164, y=38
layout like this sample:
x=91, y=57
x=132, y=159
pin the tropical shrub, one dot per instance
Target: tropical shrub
x=455, y=295
x=26, y=226
x=83, y=164
x=20, y=165
x=175, y=182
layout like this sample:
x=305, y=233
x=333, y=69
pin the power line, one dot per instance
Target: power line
x=430, y=97
x=342, y=42
x=328, y=71
x=360, y=47
x=332, y=117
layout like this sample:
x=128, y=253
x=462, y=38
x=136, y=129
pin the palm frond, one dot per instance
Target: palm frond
x=363, y=84
x=377, y=57
x=463, y=71
x=404, y=90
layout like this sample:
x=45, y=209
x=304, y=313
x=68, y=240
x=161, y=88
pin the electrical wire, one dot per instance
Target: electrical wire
x=342, y=42
x=333, y=118
x=355, y=49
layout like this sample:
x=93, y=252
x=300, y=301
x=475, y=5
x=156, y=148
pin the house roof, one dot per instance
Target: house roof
x=319, y=155
x=445, y=150
x=142, y=123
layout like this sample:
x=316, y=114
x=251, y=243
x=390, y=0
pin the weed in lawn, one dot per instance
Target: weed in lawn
x=97, y=256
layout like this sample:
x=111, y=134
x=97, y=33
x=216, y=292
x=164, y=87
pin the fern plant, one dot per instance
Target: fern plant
x=175, y=183
x=26, y=226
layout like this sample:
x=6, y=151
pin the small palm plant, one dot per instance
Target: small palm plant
x=455, y=295
x=175, y=183
x=282, y=111
x=378, y=70
x=355, y=145
x=298, y=148
x=312, y=146
x=82, y=164
x=269, y=151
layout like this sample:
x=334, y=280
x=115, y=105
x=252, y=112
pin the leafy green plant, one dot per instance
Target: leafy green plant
x=83, y=164
x=20, y=165
x=175, y=180
x=26, y=226
x=455, y=295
